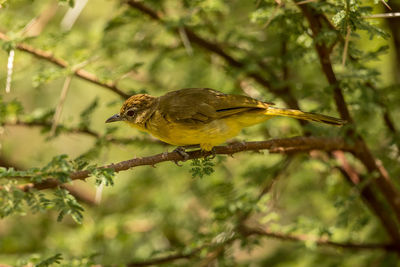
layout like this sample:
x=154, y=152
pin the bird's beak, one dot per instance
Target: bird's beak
x=113, y=118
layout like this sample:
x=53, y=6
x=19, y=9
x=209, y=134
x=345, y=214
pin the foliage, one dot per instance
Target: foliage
x=267, y=49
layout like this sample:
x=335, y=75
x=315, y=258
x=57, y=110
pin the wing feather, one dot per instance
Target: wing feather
x=203, y=105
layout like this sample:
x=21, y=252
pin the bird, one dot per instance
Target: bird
x=202, y=116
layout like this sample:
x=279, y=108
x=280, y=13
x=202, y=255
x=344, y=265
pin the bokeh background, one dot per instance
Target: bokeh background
x=152, y=212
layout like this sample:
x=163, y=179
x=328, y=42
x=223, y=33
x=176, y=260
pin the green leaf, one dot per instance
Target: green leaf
x=66, y=204
x=201, y=167
x=51, y=260
x=104, y=175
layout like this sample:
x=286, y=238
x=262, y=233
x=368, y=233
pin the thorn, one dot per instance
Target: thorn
x=164, y=154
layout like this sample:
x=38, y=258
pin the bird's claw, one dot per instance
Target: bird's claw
x=181, y=151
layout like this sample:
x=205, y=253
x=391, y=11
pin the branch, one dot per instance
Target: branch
x=81, y=73
x=84, y=131
x=375, y=203
x=166, y=259
x=218, y=50
x=363, y=153
x=316, y=25
x=247, y=232
x=286, y=145
x=318, y=241
x=77, y=192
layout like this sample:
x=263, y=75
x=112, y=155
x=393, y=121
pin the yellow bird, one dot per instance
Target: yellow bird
x=202, y=116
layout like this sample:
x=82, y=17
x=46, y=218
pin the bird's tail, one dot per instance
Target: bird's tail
x=298, y=114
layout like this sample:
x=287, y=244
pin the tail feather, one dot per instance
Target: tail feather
x=298, y=114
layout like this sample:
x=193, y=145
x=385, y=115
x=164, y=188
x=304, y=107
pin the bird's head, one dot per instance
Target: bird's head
x=135, y=110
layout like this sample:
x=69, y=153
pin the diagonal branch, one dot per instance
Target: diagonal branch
x=376, y=204
x=285, y=145
x=363, y=153
x=218, y=50
x=81, y=73
x=316, y=25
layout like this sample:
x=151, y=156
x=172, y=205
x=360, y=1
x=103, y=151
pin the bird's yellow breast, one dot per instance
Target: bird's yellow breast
x=207, y=135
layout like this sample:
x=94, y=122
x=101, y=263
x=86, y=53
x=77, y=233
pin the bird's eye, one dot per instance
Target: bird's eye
x=130, y=113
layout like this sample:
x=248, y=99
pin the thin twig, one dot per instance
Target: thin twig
x=59, y=108
x=386, y=4
x=305, y=2
x=346, y=45
x=273, y=15
x=166, y=259
x=185, y=41
x=318, y=241
x=384, y=15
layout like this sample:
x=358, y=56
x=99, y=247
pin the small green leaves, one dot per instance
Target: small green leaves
x=339, y=17
x=201, y=167
x=59, y=168
x=47, y=75
x=104, y=175
x=12, y=200
x=66, y=204
x=51, y=260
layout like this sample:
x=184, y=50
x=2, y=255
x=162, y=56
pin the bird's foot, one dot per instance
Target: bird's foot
x=181, y=150
x=212, y=154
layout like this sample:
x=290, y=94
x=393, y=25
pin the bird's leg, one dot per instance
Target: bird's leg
x=181, y=150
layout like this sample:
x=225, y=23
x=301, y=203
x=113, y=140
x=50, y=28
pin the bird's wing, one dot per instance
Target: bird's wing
x=202, y=105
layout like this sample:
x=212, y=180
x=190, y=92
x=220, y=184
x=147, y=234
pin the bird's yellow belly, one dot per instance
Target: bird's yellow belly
x=207, y=135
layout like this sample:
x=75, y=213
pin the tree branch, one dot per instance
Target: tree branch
x=318, y=241
x=81, y=73
x=84, y=131
x=218, y=50
x=166, y=259
x=375, y=203
x=73, y=190
x=363, y=153
x=316, y=25
x=247, y=232
x=285, y=145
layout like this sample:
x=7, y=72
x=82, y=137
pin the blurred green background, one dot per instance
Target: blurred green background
x=151, y=212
